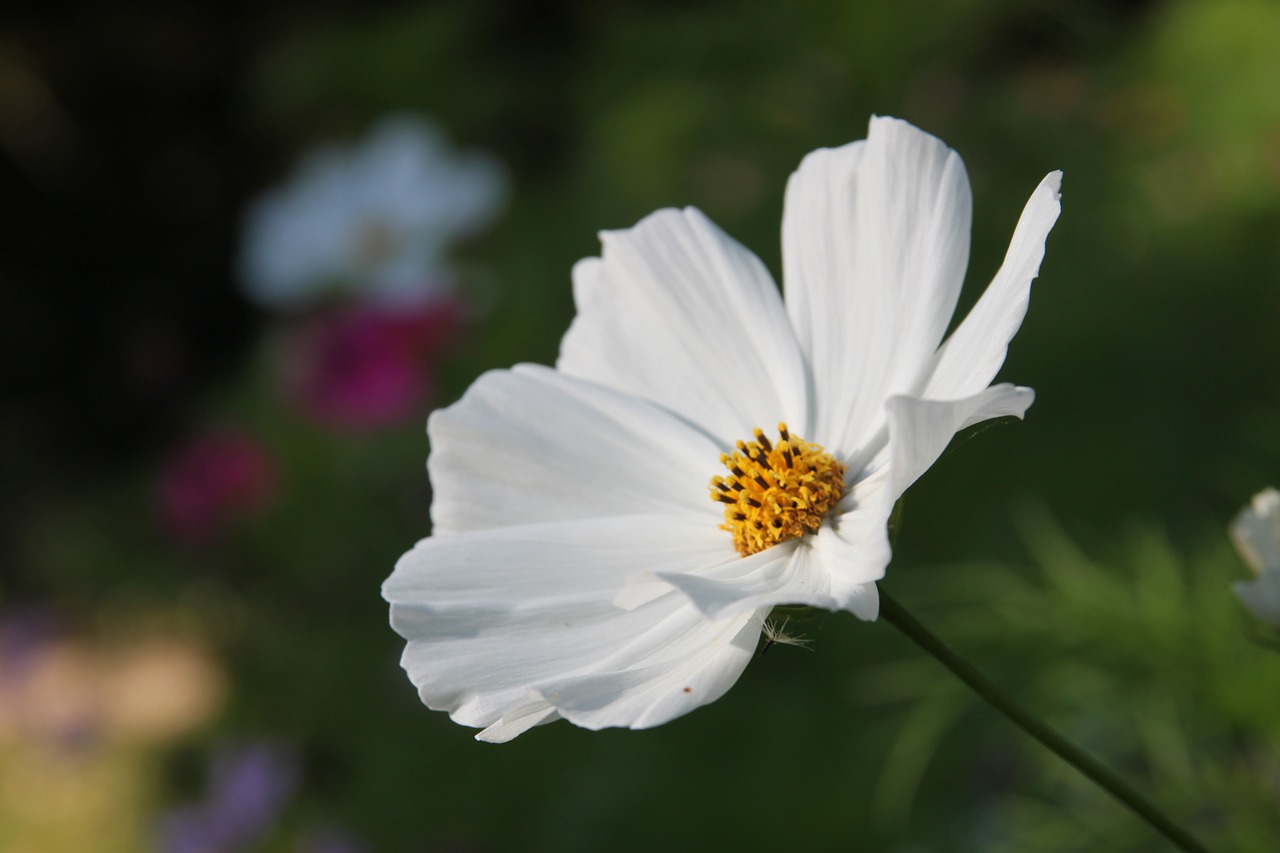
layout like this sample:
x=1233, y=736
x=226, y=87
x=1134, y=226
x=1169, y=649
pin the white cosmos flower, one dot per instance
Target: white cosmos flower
x=1256, y=533
x=376, y=218
x=578, y=567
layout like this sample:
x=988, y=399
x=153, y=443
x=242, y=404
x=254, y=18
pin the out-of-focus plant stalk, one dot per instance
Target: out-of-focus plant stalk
x=896, y=615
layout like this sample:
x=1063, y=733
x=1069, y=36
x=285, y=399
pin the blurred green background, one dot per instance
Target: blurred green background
x=1079, y=557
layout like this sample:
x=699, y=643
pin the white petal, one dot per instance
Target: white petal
x=291, y=244
x=679, y=313
x=532, y=445
x=402, y=182
x=800, y=578
x=854, y=546
x=408, y=277
x=919, y=430
x=972, y=356
x=690, y=663
x=793, y=573
x=866, y=603
x=502, y=623
x=784, y=574
x=519, y=720
x=875, y=243
x=1261, y=596
x=1256, y=532
x=406, y=175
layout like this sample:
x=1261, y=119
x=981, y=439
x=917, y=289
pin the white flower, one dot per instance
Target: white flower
x=578, y=566
x=1256, y=533
x=377, y=218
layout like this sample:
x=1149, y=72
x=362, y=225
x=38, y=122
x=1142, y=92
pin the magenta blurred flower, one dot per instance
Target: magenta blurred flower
x=364, y=367
x=219, y=476
x=249, y=785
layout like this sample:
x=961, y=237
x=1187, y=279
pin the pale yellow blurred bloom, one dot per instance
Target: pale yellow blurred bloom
x=81, y=727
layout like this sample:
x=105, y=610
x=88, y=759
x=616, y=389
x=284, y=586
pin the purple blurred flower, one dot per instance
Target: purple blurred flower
x=364, y=367
x=248, y=787
x=25, y=633
x=214, y=478
x=331, y=840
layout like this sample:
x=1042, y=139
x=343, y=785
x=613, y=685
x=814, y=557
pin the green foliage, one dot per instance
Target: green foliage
x=1144, y=658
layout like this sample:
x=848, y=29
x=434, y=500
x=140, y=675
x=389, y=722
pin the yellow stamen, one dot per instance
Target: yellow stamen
x=777, y=491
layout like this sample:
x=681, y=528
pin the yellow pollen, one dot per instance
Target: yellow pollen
x=777, y=491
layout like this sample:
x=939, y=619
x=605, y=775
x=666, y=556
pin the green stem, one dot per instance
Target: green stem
x=1034, y=726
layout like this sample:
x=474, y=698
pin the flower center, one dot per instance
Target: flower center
x=777, y=491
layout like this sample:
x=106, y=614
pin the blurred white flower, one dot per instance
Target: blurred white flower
x=376, y=219
x=1256, y=534
x=600, y=551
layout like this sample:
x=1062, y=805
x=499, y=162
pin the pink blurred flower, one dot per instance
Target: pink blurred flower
x=217, y=477
x=364, y=367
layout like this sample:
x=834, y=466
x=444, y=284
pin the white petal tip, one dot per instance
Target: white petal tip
x=887, y=122
x=858, y=561
x=863, y=602
x=1022, y=398
x=1053, y=183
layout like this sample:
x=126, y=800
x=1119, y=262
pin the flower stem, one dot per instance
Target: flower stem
x=897, y=616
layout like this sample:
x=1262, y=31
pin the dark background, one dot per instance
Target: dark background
x=133, y=134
